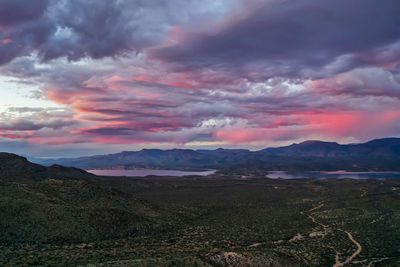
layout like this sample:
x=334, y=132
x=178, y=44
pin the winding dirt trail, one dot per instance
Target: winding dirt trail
x=376, y=261
x=349, y=259
x=359, y=247
x=338, y=263
x=317, y=207
x=364, y=192
x=315, y=220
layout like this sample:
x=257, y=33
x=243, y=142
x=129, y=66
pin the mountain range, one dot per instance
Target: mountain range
x=375, y=155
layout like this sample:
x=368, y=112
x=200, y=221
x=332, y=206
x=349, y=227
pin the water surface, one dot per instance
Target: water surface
x=145, y=172
x=335, y=174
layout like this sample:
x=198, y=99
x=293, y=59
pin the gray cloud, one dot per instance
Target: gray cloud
x=305, y=38
x=363, y=82
x=24, y=125
x=14, y=12
x=88, y=28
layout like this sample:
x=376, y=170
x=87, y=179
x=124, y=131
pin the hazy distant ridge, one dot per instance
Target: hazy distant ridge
x=379, y=154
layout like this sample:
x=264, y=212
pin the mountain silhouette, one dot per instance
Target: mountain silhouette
x=379, y=154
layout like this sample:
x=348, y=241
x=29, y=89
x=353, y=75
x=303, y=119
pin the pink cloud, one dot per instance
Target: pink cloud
x=6, y=41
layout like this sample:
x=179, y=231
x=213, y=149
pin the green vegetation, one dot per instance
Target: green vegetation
x=213, y=221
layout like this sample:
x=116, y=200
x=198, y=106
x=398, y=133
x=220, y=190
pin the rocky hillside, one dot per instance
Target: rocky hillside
x=14, y=168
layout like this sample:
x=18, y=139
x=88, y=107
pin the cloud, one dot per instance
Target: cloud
x=363, y=82
x=28, y=123
x=305, y=38
x=23, y=125
x=14, y=12
x=173, y=73
x=110, y=105
x=88, y=28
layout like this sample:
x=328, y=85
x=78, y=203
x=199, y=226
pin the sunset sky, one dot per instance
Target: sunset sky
x=80, y=77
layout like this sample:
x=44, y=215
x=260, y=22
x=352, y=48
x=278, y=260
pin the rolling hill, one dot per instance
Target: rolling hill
x=58, y=205
x=18, y=169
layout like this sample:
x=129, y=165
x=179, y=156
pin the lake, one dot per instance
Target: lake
x=145, y=172
x=335, y=174
x=271, y=174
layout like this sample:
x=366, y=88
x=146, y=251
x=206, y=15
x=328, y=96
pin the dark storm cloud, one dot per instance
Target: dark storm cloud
x=291, y=38
x=91, y=28
x=24, y=26
x=95, y=29
x=14, y=12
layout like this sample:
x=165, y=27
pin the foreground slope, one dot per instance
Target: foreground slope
x=67, y=211
x=58, y=205
x=214, y=221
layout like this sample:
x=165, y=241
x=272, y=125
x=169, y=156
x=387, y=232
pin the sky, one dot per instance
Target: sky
x=82, y=77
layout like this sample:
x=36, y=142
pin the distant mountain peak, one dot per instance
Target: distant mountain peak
x=318, y=142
